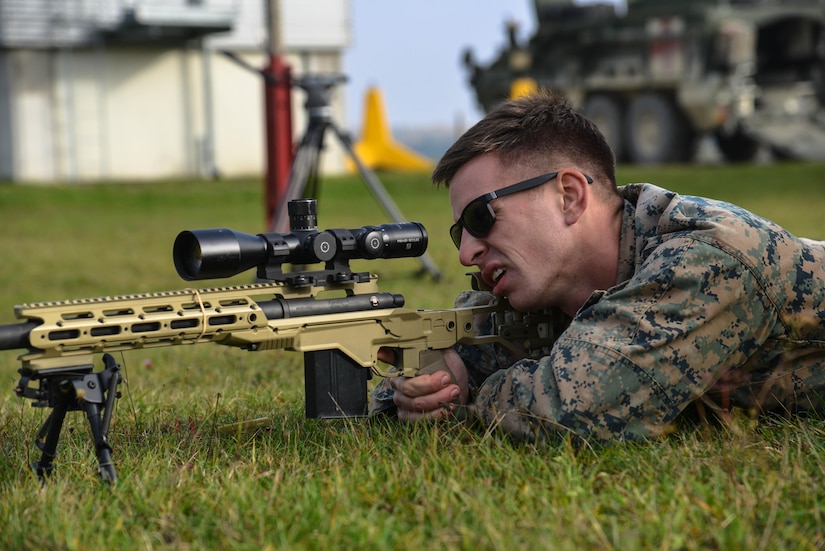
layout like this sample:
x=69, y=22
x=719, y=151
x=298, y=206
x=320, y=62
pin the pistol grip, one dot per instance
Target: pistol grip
x=432, y=361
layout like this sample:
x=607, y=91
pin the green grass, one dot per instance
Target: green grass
x=294, y=483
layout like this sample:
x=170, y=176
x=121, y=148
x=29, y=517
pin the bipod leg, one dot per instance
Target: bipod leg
x=382, y=196
x=51, y=429
x=109, y=378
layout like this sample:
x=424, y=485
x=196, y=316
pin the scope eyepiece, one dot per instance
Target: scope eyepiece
x=392, y=240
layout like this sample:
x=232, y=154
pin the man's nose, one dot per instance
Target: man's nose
x=470, y=250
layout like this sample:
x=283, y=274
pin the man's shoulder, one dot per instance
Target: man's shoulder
x=721, y=234
x=662, y=213
x=645, y=192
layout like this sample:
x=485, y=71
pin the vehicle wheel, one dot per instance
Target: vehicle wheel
x=656, y=132
x=737, y=147
x=818, y=78
x=606, y=113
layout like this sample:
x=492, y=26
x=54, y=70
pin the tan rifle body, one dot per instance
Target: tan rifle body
x=72, y=330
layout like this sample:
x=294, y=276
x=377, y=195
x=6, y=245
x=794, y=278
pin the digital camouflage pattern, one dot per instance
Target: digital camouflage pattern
x=713, y=306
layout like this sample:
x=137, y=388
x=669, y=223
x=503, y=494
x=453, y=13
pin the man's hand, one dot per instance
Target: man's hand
x=433, y=395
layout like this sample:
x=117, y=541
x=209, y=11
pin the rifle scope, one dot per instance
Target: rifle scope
x=218, y=253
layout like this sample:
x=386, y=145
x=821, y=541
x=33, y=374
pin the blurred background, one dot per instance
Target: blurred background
x=102, y=90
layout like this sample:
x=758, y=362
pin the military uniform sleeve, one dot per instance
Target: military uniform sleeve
x=633, y=359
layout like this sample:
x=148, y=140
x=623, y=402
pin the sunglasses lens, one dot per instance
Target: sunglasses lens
x=477, y=218
x=455, y=233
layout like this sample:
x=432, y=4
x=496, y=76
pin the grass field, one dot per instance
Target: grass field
x=293, y=483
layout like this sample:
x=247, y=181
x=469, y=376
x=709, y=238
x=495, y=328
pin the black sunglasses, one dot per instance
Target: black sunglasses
x=478, y=216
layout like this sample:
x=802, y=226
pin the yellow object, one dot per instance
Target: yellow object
x=377, y=149
x=522, y=87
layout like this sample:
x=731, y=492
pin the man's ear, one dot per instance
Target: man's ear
x=575, y=195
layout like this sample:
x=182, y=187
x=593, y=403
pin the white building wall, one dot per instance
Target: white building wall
x=239, y=131
x=32, y=122
x=111, y=112
x=151, y=116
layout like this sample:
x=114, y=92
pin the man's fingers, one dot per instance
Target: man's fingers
x=430, y=396
x=424, y=394
x=422, y=385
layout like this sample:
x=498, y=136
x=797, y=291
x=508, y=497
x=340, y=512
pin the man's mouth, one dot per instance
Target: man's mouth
x=497, y=274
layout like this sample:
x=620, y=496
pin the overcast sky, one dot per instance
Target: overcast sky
x=412, y=51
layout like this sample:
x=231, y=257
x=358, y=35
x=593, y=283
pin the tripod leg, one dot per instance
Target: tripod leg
x=304, y=164
x=382, y=196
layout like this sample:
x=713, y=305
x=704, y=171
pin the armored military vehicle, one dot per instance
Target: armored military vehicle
x=658, y=75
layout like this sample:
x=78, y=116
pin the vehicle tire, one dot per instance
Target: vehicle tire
x=606, y=113
x=656, y=132
x=818, y=78
x=737, y=147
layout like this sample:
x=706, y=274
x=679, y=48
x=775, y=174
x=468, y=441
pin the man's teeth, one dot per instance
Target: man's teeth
x=498, y=273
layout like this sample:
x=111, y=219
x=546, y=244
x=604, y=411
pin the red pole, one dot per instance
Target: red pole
x=278, y=103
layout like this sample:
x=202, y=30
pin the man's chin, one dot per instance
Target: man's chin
x=522, y=303
x=517, y=303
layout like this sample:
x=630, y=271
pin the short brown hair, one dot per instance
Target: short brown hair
x=538, y=129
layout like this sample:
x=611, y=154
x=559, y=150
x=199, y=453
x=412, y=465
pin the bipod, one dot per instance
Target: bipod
x=303, y=175
x=75, y=388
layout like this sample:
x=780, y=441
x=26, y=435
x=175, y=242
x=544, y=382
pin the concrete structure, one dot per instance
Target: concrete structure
x=134, y=90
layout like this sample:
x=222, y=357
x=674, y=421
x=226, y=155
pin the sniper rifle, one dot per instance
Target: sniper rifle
x=291, y=310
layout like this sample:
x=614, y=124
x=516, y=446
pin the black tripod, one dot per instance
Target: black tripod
x=303, y=176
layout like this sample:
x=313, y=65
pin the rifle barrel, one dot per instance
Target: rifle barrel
x=299, y=307
x=16, y=335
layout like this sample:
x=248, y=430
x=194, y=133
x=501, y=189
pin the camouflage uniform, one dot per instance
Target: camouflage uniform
x=712, y=304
